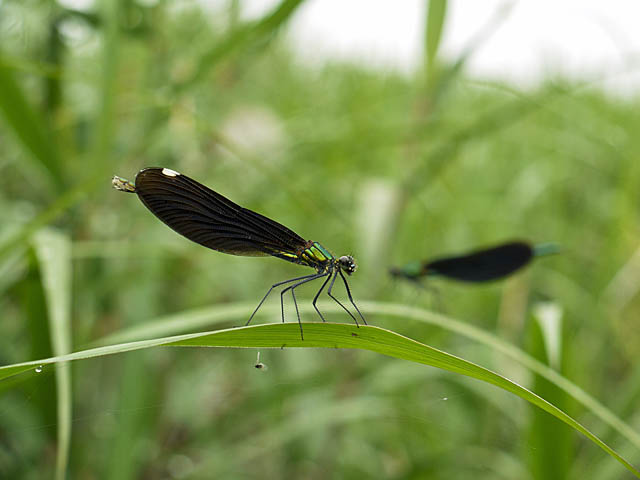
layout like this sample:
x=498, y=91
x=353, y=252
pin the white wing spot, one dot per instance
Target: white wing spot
x=169, y=173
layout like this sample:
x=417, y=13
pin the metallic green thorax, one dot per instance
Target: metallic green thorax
x=314, y=256
x=546, y=249
x=413, y=269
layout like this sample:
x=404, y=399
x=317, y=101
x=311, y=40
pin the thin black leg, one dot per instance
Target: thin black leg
x=315, y=299
x=333, y=279
x=295, y=302
x=291, y=287
x=346, y=285
x=282, y=306
x=293, y=294
x=274, y=286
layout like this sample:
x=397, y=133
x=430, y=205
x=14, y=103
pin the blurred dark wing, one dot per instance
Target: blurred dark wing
x=483, y=265
x=208, y=218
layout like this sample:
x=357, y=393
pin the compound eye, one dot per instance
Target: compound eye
x=348, y=264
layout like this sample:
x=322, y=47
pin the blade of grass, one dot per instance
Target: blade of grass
x=29, y=128
x=11, y=270
x=249, y=33
x=30, y=291
x=53, y=56
x=548, y=459
x=445, y=78
x=333, y=335
x=102, y=142
x=110, y=52
x=428, y=169
x=305, y=202
x=201, y=318
x=436, y=14
x=53, y=250
x=57, y=208
x=513, y=352
x=177, y=323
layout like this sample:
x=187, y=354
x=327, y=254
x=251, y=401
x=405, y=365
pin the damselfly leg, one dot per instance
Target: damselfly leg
x=333, y=280
x=346, y=286
x=314, y=275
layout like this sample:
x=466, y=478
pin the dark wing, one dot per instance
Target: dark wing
x=208, y=218
x=483, y=265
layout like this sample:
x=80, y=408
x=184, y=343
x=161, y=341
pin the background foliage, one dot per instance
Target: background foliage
x=389, y=168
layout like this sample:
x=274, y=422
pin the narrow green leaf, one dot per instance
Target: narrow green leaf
x=29, y=127
x=110, y=52
x=548, y=459
x=444, y=79
x=178, y=323
x=513, y=352
x=436, y=14
x=31, y=293
x=53, y=250
x=57, y=208
x=101, y=164
x=207, y=317
x=241, y=36
x=439, y=157
x=333, y=335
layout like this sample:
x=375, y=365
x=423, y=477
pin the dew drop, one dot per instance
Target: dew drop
x=39, y=369
x=445, y=398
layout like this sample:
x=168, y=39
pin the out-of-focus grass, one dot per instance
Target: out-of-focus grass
x=29, y=128
x=304, y=146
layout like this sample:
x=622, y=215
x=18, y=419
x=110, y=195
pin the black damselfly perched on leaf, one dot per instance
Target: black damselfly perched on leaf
x=208, y=218
x=478, y=266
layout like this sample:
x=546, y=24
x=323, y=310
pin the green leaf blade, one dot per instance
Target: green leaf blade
x=29, y=127
x=53, y=250
x=332, y=335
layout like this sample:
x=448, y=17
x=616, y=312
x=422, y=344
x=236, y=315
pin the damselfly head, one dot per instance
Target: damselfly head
x=410, y=271
x=348, y=264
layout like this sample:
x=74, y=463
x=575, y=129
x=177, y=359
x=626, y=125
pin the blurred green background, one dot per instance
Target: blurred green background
x=387, y=167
